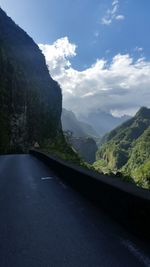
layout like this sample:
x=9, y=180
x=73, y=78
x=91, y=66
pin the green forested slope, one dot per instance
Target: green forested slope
x=138, y=165
x=127, y=148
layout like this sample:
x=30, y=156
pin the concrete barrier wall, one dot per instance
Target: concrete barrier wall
x=126, y=202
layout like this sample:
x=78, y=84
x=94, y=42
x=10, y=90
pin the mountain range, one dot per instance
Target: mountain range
x=81, y=137
x=78, y=128
x=84, y=137
x=127, y=149
x=101, y=121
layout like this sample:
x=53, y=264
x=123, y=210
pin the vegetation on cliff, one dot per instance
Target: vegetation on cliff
x=30, y=101
x=127, y=149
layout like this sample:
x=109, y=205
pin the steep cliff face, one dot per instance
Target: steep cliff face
x=30, y=100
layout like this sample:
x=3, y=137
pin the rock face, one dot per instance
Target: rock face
x=30, y=100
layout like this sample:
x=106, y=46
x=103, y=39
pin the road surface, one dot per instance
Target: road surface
x=44, y=223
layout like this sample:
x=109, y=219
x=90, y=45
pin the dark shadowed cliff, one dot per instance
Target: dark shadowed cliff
x=86, y=148
x=30, y=100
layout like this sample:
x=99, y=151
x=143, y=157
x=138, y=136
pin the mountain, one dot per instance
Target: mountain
x=127, y=148
x=30, y=100
x=82, y=137
x=138, y=165
x=78, y=128
x=86, y=148
x=101, y=121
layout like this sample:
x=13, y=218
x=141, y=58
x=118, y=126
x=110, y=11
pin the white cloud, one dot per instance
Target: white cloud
x=112, y=14
x=120, y=17
x=138, y=49
x=120, y=86
x=115, y=2
x=106, y=20
x=57, y=55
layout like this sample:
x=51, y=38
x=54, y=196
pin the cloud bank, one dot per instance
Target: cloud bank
x=120, y=86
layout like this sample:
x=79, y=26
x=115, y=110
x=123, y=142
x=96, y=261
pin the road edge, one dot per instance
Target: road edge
x=126, y=202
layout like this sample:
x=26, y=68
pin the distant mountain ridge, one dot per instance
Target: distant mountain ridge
x=101, y=121
x=127, y=148
x=83, y=135
x=78, y=128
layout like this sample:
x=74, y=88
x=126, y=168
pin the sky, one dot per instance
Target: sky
x=98, y=50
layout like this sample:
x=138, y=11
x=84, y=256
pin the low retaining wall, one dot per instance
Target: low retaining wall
x=127, y=203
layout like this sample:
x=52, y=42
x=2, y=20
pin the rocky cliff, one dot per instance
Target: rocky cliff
x=30, y=100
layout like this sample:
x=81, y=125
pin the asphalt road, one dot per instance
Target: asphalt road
x=45, y=223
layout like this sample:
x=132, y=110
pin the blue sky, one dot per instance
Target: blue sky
x=100, y=29
x=48, y=20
